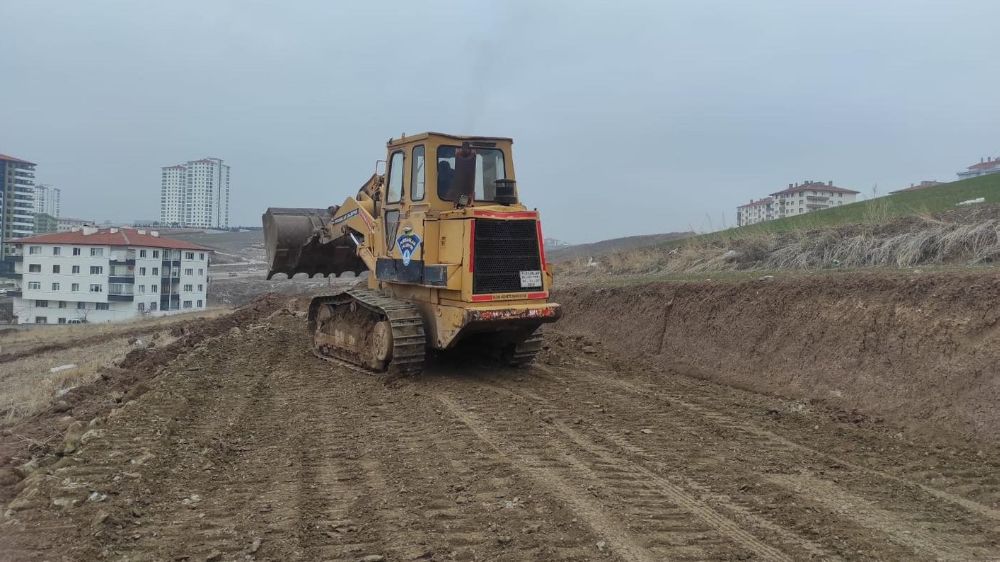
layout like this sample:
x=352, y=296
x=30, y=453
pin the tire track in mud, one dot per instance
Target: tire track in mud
x=442, y=492
x=695, y=497
x=674, y=523
x=694, y=401
x=710, y=442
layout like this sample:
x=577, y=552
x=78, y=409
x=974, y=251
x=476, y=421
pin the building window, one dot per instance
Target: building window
x=62, y=320
x=41, y=320
x=200, y=305
x=152, y=306
x=101, y=306
x=189, y=271
x=96, y=288
x=189, y=255
x=74, y=287
x=96, y=269
x=156, y=253
x=55, y=286
x=42, y=304
x=156, y=271
x=142, y=307
x=76, y=251
x=142, y=289
x=142, y=254
x=96, y=252
x=34, y=268
x=34, y=285
x=188, y=288
x=56, y=250
x=55, y=269
x=187, y=304
x=76, y=269
x=201, y=272
x=201, y=287
x=201, y=256
x=142, y=271
x=34, y=250
x=154, y=288
x=81, y=306
x=62, y=304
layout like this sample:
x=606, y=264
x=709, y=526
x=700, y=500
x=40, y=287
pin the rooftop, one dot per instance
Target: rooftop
x=752, y=203
x=112, y=237
x=12, y=159
x=809, y=185
x=987, y=164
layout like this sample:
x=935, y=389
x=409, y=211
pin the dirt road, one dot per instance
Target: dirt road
x=250, y=448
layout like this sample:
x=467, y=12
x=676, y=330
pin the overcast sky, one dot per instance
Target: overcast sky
x=628, y=117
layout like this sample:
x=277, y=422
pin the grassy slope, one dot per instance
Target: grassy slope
x=924, y=201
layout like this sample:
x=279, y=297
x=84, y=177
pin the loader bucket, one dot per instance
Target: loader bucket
x=293, y=241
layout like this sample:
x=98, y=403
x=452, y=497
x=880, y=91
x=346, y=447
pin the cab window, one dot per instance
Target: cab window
x=417, y=174
x=489, y=167
x=395, y=191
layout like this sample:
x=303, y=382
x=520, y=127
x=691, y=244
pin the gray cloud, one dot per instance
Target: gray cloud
x=628, y=118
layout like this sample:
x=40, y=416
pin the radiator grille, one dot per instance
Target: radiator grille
x=504, y=248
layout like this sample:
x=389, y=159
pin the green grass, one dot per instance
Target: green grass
x=874, y=211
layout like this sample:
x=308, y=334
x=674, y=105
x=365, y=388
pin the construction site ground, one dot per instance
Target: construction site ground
x=235, y=443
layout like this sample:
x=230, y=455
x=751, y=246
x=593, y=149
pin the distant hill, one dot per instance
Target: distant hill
x=903, y=203
x=595, y=249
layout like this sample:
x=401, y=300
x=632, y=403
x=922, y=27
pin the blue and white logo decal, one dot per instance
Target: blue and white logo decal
x=408, y=245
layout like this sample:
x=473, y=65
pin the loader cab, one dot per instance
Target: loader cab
x=439, y=172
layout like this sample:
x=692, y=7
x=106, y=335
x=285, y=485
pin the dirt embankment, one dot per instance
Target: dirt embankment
x=920, y=351
x=39, y=436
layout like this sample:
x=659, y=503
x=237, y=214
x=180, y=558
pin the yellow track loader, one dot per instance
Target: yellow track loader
x=452, y=254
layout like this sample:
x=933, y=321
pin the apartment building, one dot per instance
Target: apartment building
x=195, y=194
x=926, y=184
x=755, y=211
x=17, y=201
x=985, y=166
x=66, y=224
x=47, y=200
x=106, y=275
x=808, y=196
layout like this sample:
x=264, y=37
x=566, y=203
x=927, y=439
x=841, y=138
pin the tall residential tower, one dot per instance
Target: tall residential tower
x=47, y=200
x=195, y=194
x=17, y=201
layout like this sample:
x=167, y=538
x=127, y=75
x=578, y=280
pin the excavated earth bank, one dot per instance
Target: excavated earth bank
x=920, y=350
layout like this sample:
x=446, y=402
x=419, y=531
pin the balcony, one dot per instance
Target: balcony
x=124, y=279
x=15, y=293
x=123, y=258
x=817, y=198
x=114, y=297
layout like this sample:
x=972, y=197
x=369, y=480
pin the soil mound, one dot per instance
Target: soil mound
x=923, y=351
x=39, y=436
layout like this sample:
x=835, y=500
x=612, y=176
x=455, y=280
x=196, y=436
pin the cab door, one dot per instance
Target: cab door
x=403, y=221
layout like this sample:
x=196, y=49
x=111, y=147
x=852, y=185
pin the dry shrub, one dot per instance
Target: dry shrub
x=922, y=242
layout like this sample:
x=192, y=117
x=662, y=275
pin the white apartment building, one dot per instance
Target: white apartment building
x=810, y=196
x=755, y=211
x=195, y=194
x=17, y=201
x=47, y=200
x=106, y=275
x=985, y=166
x=66, y=224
